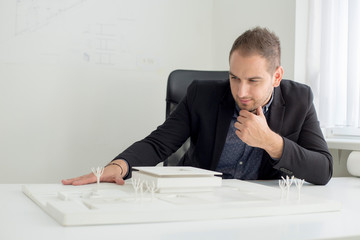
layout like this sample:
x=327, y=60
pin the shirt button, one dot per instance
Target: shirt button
x=240, y=163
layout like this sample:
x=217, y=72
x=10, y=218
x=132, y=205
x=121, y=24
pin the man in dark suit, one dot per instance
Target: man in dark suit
x=251, y=126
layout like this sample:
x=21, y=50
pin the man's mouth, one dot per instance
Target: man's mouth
x=245, y=101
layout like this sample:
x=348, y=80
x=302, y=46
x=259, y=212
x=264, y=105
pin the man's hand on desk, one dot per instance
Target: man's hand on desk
x=112, y=173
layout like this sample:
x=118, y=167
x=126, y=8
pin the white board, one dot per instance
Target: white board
x=113, y=204
x=74, y=74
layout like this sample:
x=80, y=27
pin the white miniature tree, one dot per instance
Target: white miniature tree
x=282, y=186
x=151, y=188
x=98, y=172
x=288, y=181
x=299, y=183
x=136, y=182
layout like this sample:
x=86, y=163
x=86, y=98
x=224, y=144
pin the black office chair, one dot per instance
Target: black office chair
x=177, y=84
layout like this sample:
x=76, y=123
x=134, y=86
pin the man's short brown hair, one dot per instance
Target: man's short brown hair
x=259, y=41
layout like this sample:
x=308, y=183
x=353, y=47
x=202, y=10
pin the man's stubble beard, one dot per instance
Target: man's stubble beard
x=263, y=102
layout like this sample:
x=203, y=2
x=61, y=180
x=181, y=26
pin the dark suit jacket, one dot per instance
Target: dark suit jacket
x=205, y=114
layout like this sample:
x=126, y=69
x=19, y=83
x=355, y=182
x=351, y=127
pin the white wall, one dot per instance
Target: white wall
x=233, y=17
x=301, y=26
x=80, y=80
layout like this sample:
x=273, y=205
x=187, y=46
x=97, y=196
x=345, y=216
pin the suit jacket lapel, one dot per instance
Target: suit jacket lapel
x=277, y=111
x=275, y=122
x=225, y=112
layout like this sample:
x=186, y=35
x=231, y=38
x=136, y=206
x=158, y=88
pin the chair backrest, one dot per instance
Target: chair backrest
x=177, y=84
x=179, y=80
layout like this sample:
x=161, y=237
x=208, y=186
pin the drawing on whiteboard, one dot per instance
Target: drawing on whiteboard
x=32, y=15
x=101, y=44
x=79, y=32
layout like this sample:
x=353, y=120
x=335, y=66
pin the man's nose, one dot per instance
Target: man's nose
x=243, y=89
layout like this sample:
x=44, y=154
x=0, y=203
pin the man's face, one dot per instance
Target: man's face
x=250, y=81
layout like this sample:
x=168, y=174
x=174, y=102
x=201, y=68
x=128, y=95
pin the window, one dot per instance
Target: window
x=333, y=64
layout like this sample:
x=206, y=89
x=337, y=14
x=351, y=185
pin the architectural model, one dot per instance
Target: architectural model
x=178, y=179
x=140, y=201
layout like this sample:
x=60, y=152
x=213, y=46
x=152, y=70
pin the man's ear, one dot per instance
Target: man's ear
x=279, y=72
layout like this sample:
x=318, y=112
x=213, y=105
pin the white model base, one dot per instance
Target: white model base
x=177, y=179
x=113, y=204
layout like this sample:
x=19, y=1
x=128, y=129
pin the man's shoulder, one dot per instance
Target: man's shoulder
x=290, y=86
x=295, y=93
x=294, y=89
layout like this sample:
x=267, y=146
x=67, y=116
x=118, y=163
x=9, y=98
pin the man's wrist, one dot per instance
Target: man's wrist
x=274, y=146
x=123, y=165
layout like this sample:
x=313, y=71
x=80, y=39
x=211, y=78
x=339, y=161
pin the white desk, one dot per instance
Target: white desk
x=20, y=218
x=343, y=143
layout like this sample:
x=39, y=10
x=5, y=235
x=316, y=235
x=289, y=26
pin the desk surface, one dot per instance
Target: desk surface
x=21, y=218
x=343, y=143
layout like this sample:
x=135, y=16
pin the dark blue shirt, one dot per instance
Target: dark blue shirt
x=239, y=160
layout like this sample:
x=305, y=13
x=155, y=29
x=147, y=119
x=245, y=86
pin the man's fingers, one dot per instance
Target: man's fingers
x=241, y=122
x=69, y=181
x=86, y=179
x=245, y=113
x=119, y=180
x=237, y=125
x=259, y=111
x=111, y=174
